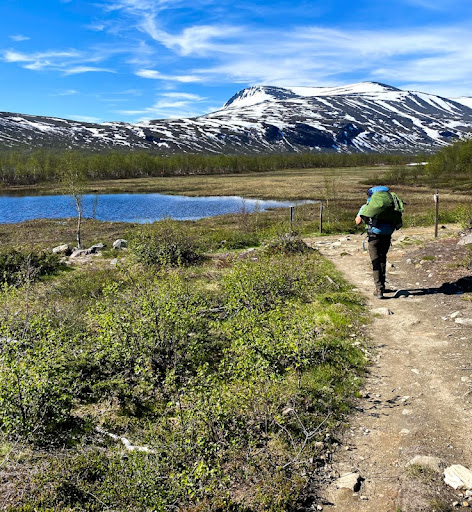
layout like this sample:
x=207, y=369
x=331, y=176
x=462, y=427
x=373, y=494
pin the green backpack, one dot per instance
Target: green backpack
x=385, y=207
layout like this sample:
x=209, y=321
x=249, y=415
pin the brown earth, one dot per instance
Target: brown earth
x=418, y=394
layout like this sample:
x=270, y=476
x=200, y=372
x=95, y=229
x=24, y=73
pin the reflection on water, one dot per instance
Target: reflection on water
x=128, y=207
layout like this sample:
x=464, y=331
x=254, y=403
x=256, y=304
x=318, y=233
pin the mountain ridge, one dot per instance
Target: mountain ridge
x=360, y=117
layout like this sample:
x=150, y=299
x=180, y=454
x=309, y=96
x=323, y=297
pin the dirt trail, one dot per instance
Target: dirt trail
x=418, y=395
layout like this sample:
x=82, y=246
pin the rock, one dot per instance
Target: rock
x=458, y=477
x=465, y=504
x=463, y=321
x=95, y=248
x=86, y=252
x=433, y=463
x=120, y=244
x=456, y=314
x=77, y=253
x=466, y=240
x=62, y=249
x=350, y=481
x=383, y=311
x=114, y=262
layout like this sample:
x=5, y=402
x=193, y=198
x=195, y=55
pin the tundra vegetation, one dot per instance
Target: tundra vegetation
x=231, y=371
x=211, y=368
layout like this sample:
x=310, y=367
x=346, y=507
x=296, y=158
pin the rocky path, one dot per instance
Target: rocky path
x=418, y=395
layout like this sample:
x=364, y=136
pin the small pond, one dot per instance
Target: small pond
x=139, y=208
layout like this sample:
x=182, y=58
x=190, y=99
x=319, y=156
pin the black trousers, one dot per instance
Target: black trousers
x=378, y=249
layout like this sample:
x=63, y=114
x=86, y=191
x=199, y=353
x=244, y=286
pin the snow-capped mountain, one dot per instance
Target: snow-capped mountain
x=361, y=117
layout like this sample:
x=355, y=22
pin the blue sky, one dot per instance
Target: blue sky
x=133, y=60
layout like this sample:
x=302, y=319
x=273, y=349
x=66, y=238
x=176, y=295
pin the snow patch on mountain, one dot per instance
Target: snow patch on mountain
x=366, y=116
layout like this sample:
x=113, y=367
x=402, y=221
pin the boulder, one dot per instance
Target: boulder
x=86, y=252
x=77, y=253
x=95, y=248
x=120, y=244
x=350, y=481
x=62, y=249
x=466, y=240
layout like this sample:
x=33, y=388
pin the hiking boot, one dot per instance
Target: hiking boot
x=379, y=293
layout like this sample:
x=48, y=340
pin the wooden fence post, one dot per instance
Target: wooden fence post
x=436, y=217
x=321, y=217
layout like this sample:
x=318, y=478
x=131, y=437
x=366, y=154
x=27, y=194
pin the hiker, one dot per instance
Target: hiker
x=383, y=214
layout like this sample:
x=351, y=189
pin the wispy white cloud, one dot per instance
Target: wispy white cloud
x=168, y=105
x=183, y=96
x=86, y=69
x=19, y=37
x=68, y=62
x=316, y=55
x=156, y=75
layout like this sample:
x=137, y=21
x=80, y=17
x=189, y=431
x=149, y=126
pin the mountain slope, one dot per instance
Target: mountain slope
x=361, y=117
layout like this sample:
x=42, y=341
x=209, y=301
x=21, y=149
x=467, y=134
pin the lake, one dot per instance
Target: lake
x=138, y=208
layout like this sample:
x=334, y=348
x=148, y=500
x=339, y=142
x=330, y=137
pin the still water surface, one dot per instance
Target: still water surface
x=128, y=207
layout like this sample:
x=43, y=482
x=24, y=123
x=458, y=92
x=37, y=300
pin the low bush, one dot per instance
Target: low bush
x=287, y=243
x=164, y=243
x=36, y=380
x=19, y=267
x=228, y=382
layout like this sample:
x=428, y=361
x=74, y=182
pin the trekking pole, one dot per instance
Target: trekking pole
x=436, y=217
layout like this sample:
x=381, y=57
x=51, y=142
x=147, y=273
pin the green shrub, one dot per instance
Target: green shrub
x=19, y=267
x=229, y=240
x=149, y=340
x=287, y=243
x=36, y=380
x=164, y=243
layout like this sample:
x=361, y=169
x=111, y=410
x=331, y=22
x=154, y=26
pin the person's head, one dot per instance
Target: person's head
x=377, y=188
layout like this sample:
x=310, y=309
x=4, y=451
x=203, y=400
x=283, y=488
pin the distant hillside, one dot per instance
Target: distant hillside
x=363, y=117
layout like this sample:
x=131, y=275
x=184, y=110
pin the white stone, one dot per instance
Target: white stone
x=456, y=314
x=383, y=311
x=121, y=243
x=349, y=481
x=61, y=249
x=466, y=240
x=463, y=321
x=458, y=477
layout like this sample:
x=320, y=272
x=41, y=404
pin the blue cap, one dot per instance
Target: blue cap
x=379, y=188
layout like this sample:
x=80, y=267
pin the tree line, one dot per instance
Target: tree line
x=32, y=167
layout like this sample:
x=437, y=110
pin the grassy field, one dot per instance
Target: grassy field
x=342, y=191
